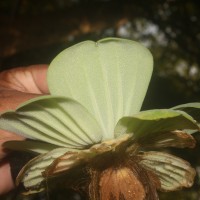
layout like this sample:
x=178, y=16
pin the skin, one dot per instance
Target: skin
x=16, y=86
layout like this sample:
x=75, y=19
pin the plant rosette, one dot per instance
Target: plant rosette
x=90, y=126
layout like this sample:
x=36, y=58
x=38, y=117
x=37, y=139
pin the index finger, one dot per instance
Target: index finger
x=31, y=79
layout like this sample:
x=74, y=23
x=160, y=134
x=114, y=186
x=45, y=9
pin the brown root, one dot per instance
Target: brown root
x=122, y=179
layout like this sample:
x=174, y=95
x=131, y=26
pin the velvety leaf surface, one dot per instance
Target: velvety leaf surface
x=109, y=77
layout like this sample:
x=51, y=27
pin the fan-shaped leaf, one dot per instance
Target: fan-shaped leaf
x=150, y=122
x=173, y=172
x=109, y=77
x=32, y=173
x=56, y=120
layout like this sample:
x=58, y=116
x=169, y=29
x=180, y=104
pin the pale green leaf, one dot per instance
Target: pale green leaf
x=173, y=172
x=57, y=120
x=108, y=77
x=192, y=109
x=147, y=123
x=32, y=173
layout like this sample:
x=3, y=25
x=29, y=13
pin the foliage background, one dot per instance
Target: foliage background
x=34, y=31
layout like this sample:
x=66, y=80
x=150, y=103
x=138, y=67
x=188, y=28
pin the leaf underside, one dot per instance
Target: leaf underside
x=192, y=109
x=173, y=172
x=31, y=174
x=56, y=120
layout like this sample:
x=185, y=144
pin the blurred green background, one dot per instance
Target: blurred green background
x=34, y=31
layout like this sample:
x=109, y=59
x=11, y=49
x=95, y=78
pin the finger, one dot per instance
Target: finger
x=32, y=79
x=6, y=183
x=25, y=81
x=39, y=74
x=10, y=99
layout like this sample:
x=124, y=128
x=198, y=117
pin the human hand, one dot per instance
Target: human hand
x=16, y=86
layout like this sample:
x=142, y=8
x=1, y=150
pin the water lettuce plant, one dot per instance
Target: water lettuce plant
x=91, y=126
